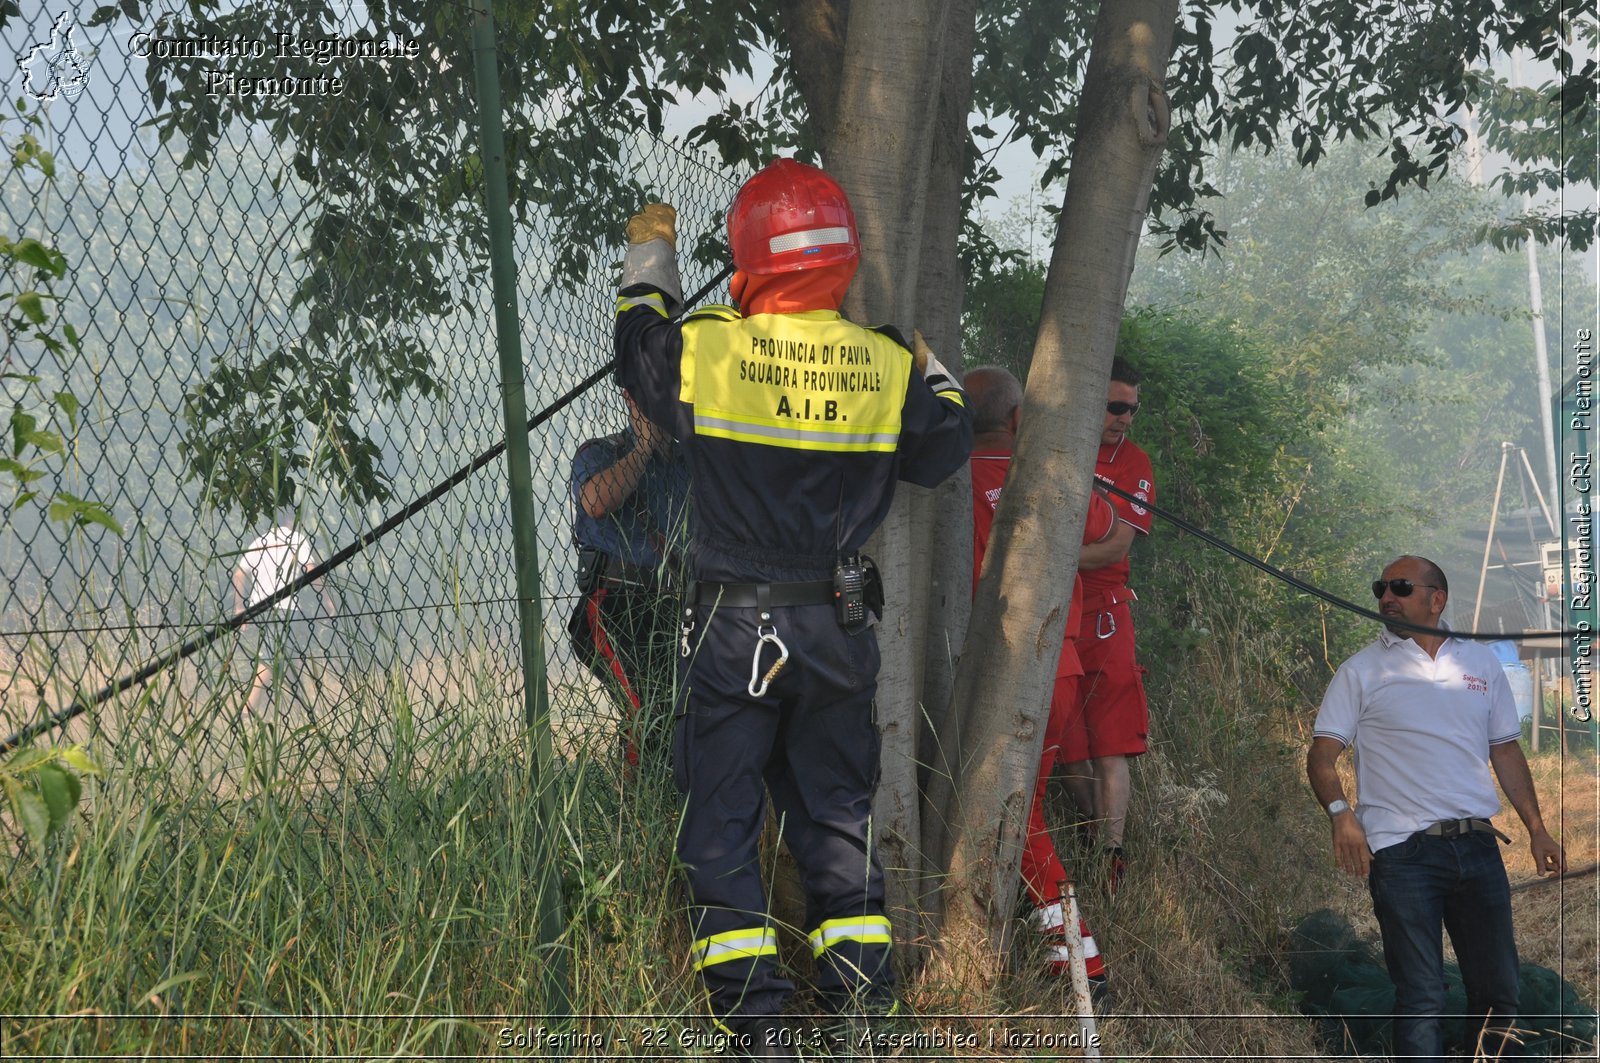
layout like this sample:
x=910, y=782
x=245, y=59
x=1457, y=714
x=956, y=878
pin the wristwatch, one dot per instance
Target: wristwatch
x=1336, y=807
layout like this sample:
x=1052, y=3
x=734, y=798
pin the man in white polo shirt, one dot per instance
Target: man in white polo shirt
x=1428, y=716
x=279, y=639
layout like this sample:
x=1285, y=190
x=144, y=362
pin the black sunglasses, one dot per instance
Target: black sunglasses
x=1402, y=587
x=1117, y=409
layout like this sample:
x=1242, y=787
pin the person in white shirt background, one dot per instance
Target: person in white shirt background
x=279, y=638
x=1428, y=716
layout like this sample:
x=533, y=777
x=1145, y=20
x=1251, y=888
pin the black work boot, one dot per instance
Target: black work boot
x=865, y=1029
x=762, y=1037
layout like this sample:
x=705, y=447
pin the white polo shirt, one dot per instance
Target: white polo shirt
x=273, y=561
x=1421, y=727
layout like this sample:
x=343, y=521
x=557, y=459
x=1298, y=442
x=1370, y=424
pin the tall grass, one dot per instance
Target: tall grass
x=1223, y=843
x=280, y=894
x=363, y=883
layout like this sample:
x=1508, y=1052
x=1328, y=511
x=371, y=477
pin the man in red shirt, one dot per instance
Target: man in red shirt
x=996, y=400
x=1112, y=689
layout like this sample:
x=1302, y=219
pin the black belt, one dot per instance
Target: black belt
x=615, y=571
x=645, y=578
x=761, y=595
x=1455, y=828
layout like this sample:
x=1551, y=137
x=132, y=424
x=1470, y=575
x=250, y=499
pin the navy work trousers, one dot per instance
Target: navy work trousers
x=1459, y=883
x=812, y=740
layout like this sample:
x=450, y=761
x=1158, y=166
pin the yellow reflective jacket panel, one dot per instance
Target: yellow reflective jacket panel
x=810, y=381
x=797, y=427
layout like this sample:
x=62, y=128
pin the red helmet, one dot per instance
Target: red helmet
x=791, y=216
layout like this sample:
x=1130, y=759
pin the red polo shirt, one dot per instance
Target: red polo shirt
x=989, y=469
x=1127, y=466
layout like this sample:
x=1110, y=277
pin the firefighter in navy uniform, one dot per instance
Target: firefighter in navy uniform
x=798, y=424
x=630, y=494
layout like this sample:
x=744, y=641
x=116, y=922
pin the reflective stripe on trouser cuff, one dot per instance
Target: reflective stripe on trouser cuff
x=1090, y=949
x=868, y=930
x=1051, y=920
x=1058, y=958
x=733, y=945
x=1049, y=916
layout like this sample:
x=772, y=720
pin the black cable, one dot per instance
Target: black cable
x=342, y=614
x=150, y=668
x=1328, y=596
x=216, y=631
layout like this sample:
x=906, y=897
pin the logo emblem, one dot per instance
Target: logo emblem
x=55, y=67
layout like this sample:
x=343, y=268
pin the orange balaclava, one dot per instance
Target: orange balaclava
x=819, y=288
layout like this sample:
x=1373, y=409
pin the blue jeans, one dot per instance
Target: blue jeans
x=1459, y=883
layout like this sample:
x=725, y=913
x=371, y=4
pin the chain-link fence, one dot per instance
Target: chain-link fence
x=248, y=318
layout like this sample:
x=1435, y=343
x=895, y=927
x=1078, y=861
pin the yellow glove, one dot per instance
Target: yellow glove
x=656, y=221
x=937, y=376
x=920, y=350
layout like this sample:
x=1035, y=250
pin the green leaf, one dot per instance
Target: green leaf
x=80, y=761
x=22, y=426
x=32, y=306
x=69, y=404
x=30, y=810
x=68, y=508
x=26, y=760
x=35, y=254
x=60, y=790
x=171, y=983
x=48, y=442
x=23, y=474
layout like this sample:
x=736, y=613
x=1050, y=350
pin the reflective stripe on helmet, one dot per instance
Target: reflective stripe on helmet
x=799, y=241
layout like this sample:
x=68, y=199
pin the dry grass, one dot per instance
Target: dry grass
x=1558, y=921
x=1228, y=852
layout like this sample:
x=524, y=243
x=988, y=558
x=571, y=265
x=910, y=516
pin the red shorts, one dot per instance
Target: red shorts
x=1115, y=715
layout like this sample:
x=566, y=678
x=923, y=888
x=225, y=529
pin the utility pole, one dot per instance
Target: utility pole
x=1541, y=352
x=1535, y=298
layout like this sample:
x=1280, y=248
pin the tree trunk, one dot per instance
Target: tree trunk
x=944, y=598
x=998, y=709
x=879, y=151
x=893, y=133
x=815, y=31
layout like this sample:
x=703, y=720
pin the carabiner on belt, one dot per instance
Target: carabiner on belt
x=765, y=633
x=686, y=628
x=1100, y=620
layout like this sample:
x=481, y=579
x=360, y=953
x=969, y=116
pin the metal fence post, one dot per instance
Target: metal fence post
x=536, y=698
